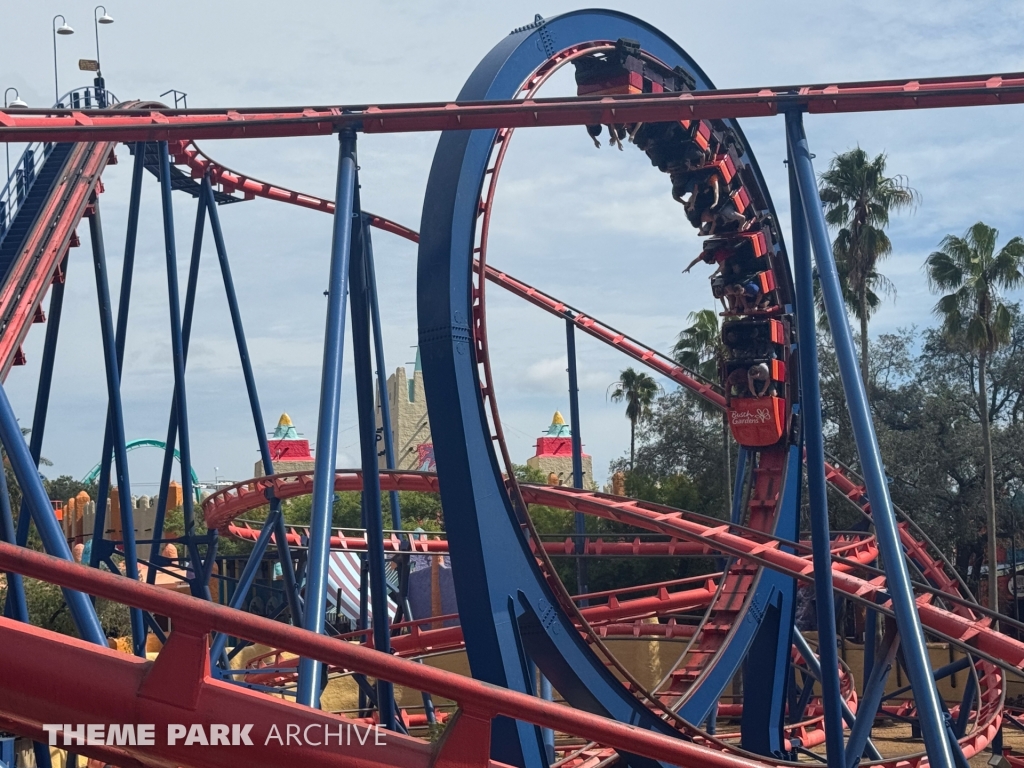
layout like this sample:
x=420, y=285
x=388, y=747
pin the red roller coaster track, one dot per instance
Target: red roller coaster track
x=264, y=122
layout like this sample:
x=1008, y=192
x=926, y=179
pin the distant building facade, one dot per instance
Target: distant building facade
x=554, y=455
x=410, y=428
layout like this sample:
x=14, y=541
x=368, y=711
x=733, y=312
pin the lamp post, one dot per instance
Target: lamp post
x=101, y=87
x=16, y=104
x=63, y=29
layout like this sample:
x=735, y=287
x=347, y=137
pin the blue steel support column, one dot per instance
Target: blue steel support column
x=287, y=569
x=172, y=421
x=245, y=581
x=966, y=702
x=742, y=456
x=372, y=513
x=35, y=442
x=198, y=586
x=577, y=456
x=16, y=607
x=547, y=734
x=382, y=375
x=870, y=638
x=54, y=543
x=100, y=548
x=385, y=421
x=810, y=411
x=933, y=727
x=815, y=668
x=308, y=691
x=116, y=424
x=867, y=707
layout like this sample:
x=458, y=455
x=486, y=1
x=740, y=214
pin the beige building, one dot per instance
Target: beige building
x=410, y=429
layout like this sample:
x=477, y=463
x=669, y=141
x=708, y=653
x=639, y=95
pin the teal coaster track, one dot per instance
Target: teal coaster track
x=132, y=445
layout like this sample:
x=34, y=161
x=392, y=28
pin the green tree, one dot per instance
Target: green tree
x=858, y=199
x=638, y=391
x=972, y=275
x=699, y=348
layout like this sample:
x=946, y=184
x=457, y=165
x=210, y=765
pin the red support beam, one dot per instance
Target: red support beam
x=264, y=122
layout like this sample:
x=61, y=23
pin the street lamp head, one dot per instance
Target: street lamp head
x=64, y=29
x=17, y=103
x=106, y=18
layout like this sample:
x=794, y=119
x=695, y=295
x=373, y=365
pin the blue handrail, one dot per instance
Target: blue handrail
x=16, y=191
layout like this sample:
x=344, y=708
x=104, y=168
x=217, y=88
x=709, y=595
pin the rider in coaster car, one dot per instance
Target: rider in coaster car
x=759, y=379
x=736, y=384
x=683, y=167
x=616, y=133
x=721, y=212
x=747, y=296
x=732, y=298
x=701, y=197
x=663, y=143
x=716, y=256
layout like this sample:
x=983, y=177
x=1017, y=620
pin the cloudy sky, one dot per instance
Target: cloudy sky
x=597, y=228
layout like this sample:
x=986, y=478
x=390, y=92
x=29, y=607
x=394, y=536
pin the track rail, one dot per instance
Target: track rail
x=36, y=264
x=261, y=122
x=248, y=530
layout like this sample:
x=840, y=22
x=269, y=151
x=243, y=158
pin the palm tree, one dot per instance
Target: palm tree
x=638, y=391
x=972, y=276
x=699, y=349
x=858, y=199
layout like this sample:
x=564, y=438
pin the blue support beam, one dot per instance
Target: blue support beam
x=172, y=420
x=966, y=703
x=579, y=519
x=742, y=457
x=101, y=548
x=308, y=691
x=16, y=607
x=371, y=499
x=115, y=425
x=547, y=734
x=873, y=690
x=197, y=585
x=54, y=543
x=933, y=726
x=762, y=642
x=287, y=568
x=388, y=438
x=814, y=665
x=870, y=639
x=252, y=566
x=35, y=445
x=817, y=488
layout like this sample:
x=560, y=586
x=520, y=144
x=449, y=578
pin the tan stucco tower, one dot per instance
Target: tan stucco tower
x=410, y=429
